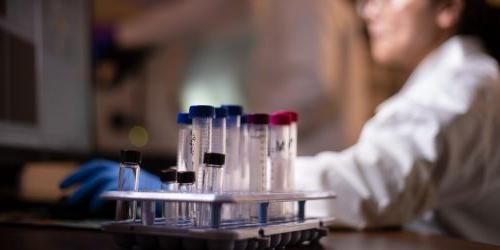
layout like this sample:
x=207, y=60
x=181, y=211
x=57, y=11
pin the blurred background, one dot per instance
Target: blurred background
x=82, y=79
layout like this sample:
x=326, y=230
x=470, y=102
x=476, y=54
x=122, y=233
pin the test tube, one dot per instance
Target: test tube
x=244, y=165
x=292, y=144
x=258, y=155
x=231, y=169
x=128, y=180
x=243, y=210
x=184, y=157
x=212, y=182
x=294, y=116
x=186, y=181
x=201, y=116
x=212, y=175
x=279, y=154
x=169, y=184
x=219, y=131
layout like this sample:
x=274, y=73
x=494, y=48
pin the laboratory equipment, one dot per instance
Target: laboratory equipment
x=279, y=151
x=279, y=154
x=212, y=182
x=169, y=184
x=258, y=155
x=199, y=222
x=263, y=234
x=186, y=180
x=148, y=212
x=258, y=151
x=294, y=117
x=231, y=169
x=243, y=154
x=243, y=210
x=130, y=161
x=201, y=116
x=212, y=175
x=219, y=131
x=184, y=150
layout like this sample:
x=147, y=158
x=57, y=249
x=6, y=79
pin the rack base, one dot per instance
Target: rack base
x=133, y=235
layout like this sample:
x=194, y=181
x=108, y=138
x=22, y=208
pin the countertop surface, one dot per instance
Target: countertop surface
x=37, y=237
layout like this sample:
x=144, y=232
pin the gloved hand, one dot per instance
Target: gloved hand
x=98, y=176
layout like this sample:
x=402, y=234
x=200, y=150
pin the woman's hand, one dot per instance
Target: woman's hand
x=98, y=176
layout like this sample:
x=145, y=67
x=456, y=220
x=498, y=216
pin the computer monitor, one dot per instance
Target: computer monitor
x=45, y=90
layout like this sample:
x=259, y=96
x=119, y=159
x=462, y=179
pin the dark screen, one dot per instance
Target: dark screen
x=17, y=79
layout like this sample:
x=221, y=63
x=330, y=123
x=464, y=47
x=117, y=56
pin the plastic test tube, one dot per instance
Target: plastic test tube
x=258, y=155
x=294, y=117
x=243, y=152
x=169, y=184
x=184, y=150
x=212, y=182
x=186, y=182
x=201, y=116
x=128, y=180
x=243, y=210
x=293, y=145
x=219, y=131
x=279, y=154
x=212, y=176
x=231, y=169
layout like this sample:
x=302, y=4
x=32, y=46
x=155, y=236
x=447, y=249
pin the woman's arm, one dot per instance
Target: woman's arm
x=395, y=170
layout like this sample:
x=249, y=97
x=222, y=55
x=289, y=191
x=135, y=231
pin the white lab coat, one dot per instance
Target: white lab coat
x=434, y=146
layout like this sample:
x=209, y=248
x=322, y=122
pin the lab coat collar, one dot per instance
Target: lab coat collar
x=452, y=53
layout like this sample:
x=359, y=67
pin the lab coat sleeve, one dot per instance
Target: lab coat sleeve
x=386, y=179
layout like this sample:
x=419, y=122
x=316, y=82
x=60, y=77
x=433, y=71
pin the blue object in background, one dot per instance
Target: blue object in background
x=98, y=176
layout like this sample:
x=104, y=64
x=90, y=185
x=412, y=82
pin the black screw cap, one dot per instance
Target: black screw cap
x=214, y=159
x=168, y=175
x=186, y=177
x=130, y=157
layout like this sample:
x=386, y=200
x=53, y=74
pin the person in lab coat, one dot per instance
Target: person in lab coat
x=433, y=149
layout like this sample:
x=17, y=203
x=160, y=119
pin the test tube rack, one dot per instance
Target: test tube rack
x=265, y=233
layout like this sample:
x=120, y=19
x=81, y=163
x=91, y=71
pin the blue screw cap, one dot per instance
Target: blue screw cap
x=202, y=111
x=183, y=118
x=233, y=110
x=244, y=119
x=220, y=113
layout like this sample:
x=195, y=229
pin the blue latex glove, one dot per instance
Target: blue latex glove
x=98, y=176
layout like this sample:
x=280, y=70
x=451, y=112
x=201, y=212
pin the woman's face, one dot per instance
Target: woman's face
x=402, y=32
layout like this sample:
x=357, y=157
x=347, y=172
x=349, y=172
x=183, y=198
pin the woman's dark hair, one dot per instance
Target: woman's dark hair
x=481, y=18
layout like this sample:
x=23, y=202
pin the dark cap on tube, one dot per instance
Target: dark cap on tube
x=183, y=118
x=258, y=119
x=220, y=113
x=244, y=119
x=130, y=157
x=201, y=111
x=281, y=119
x=186, y=177
x=233, y=110
x=294, y=116
x=214, y=159
x=168, y=175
